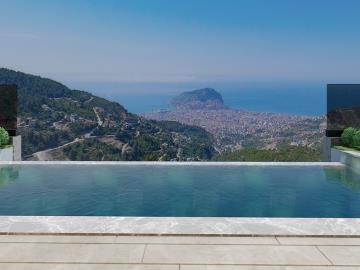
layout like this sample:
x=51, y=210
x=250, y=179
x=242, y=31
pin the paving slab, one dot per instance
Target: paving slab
x=320, y=241
x=46, y=266
x=257, y=267
x=198, y=240
x=71, y=253
x=57, y=239
x=138, y=239
x=234, y=254
x=342, y=255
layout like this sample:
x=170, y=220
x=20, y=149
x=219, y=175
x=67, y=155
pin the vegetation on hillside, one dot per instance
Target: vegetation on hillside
x=173, y=141
x=284, y=153
x=92, y=150
x=51, y=115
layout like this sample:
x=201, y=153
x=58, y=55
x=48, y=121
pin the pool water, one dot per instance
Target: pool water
x=179, y=191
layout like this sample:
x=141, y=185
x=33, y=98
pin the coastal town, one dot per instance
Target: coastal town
x=237, y=129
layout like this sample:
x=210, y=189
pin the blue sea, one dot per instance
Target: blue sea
x=287, y=98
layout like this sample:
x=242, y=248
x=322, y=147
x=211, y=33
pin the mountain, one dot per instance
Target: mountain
x=59, y=123
x=201, y=99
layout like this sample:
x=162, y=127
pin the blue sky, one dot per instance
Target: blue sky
x=183, y=41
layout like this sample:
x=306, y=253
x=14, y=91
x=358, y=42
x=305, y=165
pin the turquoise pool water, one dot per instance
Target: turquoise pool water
x=201, y=191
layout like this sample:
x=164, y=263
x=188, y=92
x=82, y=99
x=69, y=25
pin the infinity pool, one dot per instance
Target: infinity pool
x=179, y=191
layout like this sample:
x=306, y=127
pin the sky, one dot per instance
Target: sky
x=183, y=41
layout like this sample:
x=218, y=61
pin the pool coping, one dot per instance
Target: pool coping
x=176, y=226
x=180, y=226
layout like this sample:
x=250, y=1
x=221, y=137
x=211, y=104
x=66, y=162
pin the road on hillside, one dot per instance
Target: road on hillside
x=45, y=154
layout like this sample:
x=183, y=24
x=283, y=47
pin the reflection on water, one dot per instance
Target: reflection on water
x=8, y=174
x=348, y=177
x=200, y=191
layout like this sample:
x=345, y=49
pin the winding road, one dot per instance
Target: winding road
x=45, y=154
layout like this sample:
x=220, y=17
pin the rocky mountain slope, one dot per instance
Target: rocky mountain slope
x=59, y=123
x=201, y=99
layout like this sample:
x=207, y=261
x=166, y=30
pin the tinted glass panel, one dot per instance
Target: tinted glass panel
x=343, y=107
x=8, y=107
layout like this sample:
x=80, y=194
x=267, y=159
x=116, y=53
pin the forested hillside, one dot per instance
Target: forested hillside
x=76, y=125
x=284, y=153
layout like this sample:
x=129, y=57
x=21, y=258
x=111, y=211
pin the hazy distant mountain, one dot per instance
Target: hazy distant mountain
x=201, y=99
x=59, y=123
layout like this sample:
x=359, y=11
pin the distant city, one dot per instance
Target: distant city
x=237, y=129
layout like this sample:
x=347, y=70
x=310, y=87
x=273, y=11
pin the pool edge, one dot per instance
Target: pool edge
x=180, y=226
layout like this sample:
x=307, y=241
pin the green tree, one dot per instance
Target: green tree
x=347, y=136
x=356, y=139
x=4, y=136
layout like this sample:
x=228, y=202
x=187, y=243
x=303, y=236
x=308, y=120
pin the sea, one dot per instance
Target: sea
x=308, y=99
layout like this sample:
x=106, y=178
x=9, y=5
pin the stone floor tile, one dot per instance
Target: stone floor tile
x=56, y=239
x=234, y=254
x=342, y=255
x=46, y=266
x=197, y=240
x=319, y=241
x=261, y=267
x=71, y=253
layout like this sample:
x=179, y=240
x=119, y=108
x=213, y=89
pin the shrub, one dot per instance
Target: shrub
x=356, y=139
x=4, y=136
x=347, y=136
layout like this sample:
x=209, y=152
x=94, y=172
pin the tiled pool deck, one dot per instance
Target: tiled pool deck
x=137, y=243
x=34, y=252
